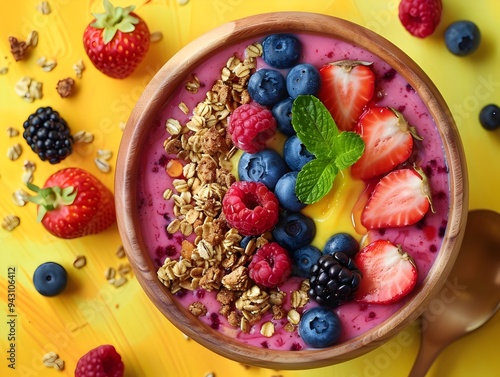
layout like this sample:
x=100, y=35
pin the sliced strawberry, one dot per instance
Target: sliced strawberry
x=400, y=198
x=388, y=142
x=346, y=88
x=389, y=273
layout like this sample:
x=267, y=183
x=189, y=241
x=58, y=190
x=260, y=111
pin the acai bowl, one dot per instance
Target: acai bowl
x=291, y=254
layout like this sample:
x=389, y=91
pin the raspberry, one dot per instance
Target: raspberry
x=250, y=126
x=250, y=208
x=420, y=17
x=102, y=361
x=270, y=266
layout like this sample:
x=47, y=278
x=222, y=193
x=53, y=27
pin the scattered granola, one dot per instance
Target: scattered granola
x=29, y=168
x=12, y=132
x=52, y=360
x=80, y=261
x=20, y=197
x=47, y=65
x=18, y=48
x=29, y=89
x=84, y=137
x=65, y=87
x=10, y=222
x=44, y=7
x=32, y=39
x=14, y=152
x=156, y=36
x=79, y=67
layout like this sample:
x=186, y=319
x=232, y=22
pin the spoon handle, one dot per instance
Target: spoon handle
x=427, y=353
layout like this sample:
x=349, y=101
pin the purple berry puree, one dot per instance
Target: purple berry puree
x=422, y=241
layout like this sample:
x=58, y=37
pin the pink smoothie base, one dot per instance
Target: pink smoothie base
x=421, y=241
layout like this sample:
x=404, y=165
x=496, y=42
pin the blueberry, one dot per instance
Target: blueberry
x=267, y=87
x=50, y=279
x=303, y=259
x=285, y=192
x=281, y=50
x=282, y=112
x=343, y=242
x=266, y=166
x=462, y=38
x=489, y=116
x=296, y=154
x=294, y=230
x=320, y=327
x=303, y=79
x=245, y=241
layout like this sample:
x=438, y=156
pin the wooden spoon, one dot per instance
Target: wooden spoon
x=471, y=295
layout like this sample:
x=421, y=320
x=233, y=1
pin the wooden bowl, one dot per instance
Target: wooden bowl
x=158, y=92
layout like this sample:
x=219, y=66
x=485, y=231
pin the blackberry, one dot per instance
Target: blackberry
x=48, y=135
x=334, y=279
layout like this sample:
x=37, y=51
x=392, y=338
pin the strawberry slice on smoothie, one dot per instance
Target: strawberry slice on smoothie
x=388, y=142
x=400, y=198
x=389, y=273
x=347, y=87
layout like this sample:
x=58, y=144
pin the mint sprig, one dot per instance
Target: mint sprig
x=333, y=150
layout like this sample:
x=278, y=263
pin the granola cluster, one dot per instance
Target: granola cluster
x=214, y=260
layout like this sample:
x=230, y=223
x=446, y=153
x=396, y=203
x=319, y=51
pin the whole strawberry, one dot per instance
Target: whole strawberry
x=73, y=203
x=102, y=361
x=116, y=41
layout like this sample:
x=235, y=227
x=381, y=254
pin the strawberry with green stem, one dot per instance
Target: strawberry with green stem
x=73, y=203
x=116, y=41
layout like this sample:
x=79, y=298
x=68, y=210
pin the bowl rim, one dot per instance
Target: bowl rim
x=157, y=93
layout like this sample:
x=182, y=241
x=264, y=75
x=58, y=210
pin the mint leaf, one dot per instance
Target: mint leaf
x=348, y=148
x=315, y=180
x=314, y=124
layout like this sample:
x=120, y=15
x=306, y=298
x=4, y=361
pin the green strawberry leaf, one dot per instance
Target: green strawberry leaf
x=314, y=124
x=315, y=180
x=348, y=148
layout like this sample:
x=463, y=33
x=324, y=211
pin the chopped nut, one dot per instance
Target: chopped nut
x=43, y=7
x=12, y=132
x=80, y=261
x=10, y=222
x=32, y=39
x=156, y=36
x=83, y=137
x=14, y=152
x=65, y=87
x=18, y=48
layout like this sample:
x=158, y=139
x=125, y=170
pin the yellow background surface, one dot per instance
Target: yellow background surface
x=91, y=312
